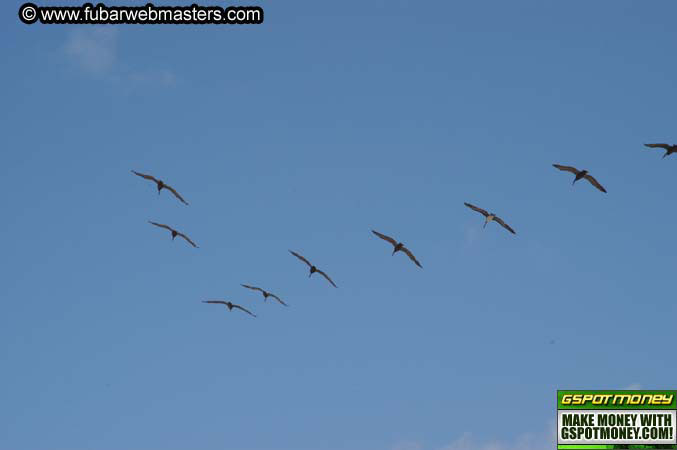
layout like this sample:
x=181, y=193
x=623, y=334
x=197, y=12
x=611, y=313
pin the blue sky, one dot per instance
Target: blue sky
x=304, y=133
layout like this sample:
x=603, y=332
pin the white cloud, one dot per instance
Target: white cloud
x=633, y=387
x=408, y=446
x=93, y=49
x=525, y=442
x=543, y=440
x=470, y=234
x=157, y=77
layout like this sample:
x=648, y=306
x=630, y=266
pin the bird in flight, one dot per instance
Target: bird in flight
x=398, y=246
x=229, y=305
x=266, y=294
x=488, y=217
x=160, y=185
x=174, y=232
x=313, y=269
x=581, y=174
x=669, y=149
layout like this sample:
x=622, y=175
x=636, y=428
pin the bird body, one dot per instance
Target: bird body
x=313, y=269
x=580, y=174
x=265, y=293
x=229, y=305
x=160, y=185
x=174, y=232
x=669, y=149
x=489, y=217
x=398, y=247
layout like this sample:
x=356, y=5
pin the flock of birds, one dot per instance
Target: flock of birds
x=397, y=246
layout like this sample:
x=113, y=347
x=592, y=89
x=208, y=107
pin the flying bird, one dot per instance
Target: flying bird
x=174, y=232
x=313, y=269
x=229, y=305
x=160, y=185
x=265, y=293
x=669, y=149
x=398, y=246
x=581, y=174
x=488, y=217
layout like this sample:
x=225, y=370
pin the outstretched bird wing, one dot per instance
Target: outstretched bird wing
x=187, y=239
x=167, y=227
x=176, y=194
x=504, y=225
x=384, y=237
x=244, y=309
x=301, y=258
x=594, y=182
x=253, y=288
x=566, y=168
x=215, y=302
x=411, y=256
x=278, y=299
x=143, y=175
x=327, y=277
x=475, y=208
x=663, y=146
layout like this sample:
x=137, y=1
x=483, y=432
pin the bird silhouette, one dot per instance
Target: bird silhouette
x=669, y=149
x=229, y=305
x=488, y=217
x=160, y=185
x=581, y=174
x=174, y=232
x=397, y=247
x=313, y=269
x=265, y=293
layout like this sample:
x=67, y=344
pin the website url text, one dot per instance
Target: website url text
x=30, y=13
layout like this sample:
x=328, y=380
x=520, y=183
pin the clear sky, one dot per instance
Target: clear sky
x=304, y=133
